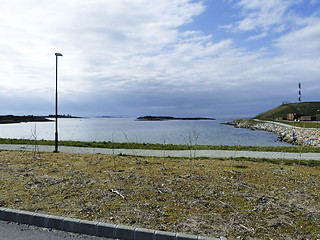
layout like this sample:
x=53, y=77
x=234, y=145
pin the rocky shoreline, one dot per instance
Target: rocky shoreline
x=301, y=136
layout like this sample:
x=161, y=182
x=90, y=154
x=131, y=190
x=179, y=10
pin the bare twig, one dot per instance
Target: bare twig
x=226, y=204
x=116, y=192
x=164, y=152
x=235, y=152
x=299, y=162
x=164, y=146
x=113, y=155
x=196, y=136
x=192, y=144
x=189, y=144
x=36, y=151
x=133, y=150
x=249, y=229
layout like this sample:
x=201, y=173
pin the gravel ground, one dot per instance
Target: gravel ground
x=206, y=197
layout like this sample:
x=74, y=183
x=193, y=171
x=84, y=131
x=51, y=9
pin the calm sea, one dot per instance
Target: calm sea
x=129, y=130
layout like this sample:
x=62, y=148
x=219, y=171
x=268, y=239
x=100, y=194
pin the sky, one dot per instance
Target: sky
x=183, y=58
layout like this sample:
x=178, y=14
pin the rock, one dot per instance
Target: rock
x=302, y=136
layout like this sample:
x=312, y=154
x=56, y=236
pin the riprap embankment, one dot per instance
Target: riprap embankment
x=286, y=133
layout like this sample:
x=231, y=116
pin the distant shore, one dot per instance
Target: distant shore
x=166, y=118
x=7, y=119
x=18, y=119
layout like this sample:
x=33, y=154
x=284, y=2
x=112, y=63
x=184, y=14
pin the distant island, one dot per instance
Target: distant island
x=166, y=118
x=62, y=116
x=108, y=117
x=18, y=119
x=6, y=119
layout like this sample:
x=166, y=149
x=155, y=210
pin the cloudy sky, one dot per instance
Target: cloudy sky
x=210, y=58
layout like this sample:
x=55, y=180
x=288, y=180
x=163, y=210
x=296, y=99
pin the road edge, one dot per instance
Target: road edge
x=99, y=229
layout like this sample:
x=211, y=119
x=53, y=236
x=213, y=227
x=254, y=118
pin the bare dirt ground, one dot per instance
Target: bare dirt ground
x=208, y=197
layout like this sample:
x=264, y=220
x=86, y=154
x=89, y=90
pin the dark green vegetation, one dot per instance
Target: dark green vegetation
x=166, y=118
x=5, y=119
x=303, y=108
x=210, y=197
x=158, y=146
x=19, y=119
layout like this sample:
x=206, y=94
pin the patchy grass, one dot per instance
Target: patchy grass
x=303, y=124
x=237, y=199
x=158, y=146
x=302, y=108
x=309, y=163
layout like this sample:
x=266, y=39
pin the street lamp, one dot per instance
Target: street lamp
x=56, y=133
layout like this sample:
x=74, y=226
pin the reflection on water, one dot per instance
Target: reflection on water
x=126, y=129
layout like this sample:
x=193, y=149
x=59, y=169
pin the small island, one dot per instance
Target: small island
x=62, y=116
x=166, y=118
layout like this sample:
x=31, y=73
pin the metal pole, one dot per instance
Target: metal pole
x=56, y=133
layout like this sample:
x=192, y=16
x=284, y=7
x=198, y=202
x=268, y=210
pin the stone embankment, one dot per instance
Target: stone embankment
x=301, y=136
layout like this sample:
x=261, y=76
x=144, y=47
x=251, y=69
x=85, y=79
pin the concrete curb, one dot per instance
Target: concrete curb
x=92, y=228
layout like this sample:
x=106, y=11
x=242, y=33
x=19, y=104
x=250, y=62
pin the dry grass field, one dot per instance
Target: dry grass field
x=208, y=197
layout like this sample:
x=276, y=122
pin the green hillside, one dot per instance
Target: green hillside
x=303, y=108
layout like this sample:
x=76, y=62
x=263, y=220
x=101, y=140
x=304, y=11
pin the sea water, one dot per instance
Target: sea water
x=205, y=132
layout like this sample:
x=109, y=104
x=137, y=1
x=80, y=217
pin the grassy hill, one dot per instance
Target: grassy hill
x=303, y=108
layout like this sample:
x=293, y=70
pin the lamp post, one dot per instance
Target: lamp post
x=56, y=133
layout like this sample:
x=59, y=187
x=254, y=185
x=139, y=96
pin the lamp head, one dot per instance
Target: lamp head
x=58, y=54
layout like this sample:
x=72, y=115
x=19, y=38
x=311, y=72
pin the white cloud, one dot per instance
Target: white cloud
x=302, y=43
x=96, y=38
x=261, y=35
x=262, y=15
x=124, y=48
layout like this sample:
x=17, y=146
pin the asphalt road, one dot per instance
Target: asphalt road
x=15, y=231
x=168, y=153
